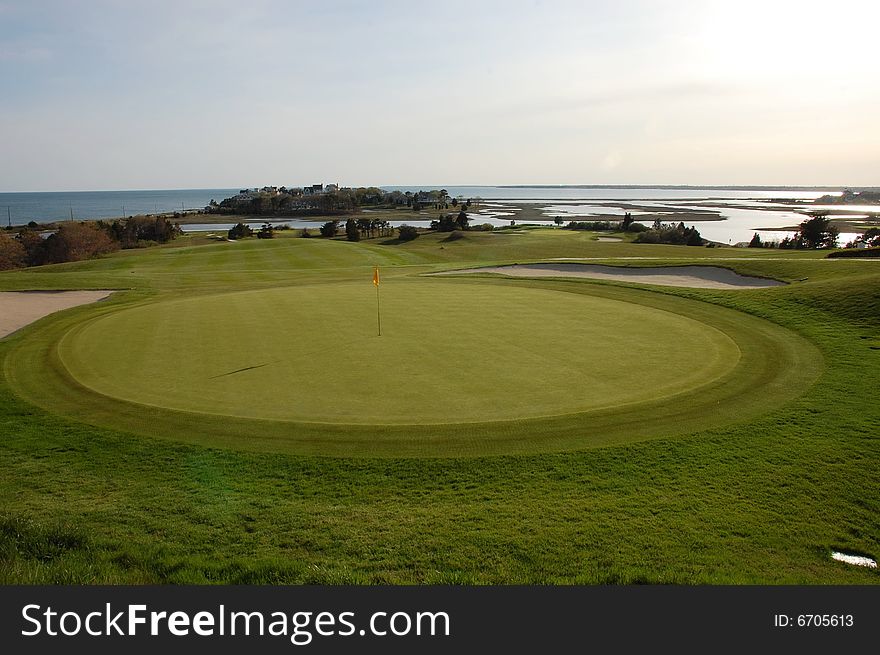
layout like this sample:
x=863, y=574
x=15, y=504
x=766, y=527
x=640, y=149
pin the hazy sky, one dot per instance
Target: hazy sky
x=184, y=94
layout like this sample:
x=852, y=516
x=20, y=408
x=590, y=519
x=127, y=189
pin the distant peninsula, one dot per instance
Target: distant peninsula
x=850, y=197
x=327, y=200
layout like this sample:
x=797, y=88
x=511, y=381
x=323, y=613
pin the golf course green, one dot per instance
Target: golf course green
x=463, y=367
x=230, y=415
x=486, y=352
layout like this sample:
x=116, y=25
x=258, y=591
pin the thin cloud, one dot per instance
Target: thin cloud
x=29, y=54
x=629, y=97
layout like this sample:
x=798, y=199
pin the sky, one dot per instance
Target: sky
x=114, y=94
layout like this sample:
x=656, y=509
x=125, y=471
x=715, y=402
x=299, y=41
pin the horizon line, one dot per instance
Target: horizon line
x=804, y=187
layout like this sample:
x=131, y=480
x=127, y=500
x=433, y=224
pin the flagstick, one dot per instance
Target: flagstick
x=378, y=314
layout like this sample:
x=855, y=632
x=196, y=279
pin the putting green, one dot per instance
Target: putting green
x=464, y=367
x=449, y=353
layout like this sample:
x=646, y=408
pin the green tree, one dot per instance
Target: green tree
x=445, y=223
x=871, y=237
x=351, y=230
x=817, y=232
x=365, y=225
x=239, y=231
x=756, y=241
x=329, y=229
x=693, y=237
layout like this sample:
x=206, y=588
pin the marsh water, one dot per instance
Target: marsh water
x=722, y=215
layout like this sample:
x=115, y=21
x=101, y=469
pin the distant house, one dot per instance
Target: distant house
x=312, y=190
x=331, y=187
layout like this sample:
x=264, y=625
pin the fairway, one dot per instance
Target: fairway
x=232, y=416
x=449, y=353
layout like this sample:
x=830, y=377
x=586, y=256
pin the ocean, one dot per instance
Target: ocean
x=44, y=207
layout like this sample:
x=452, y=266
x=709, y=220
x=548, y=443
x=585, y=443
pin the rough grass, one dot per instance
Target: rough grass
x=761, y=500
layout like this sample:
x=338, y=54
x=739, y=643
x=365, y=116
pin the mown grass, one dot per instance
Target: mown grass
x=773, y=365
x=449, y=353
x=762, y=500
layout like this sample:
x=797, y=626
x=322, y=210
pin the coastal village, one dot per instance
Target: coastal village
x=327, y=199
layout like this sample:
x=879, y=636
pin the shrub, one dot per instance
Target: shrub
x=672, y=234
x=329, y=229
x=855, y=252
x=239, y=231
x=74, y=242
x=12, y=253
x=33, y=245
x=407, y=233
x=132, y=231
x=593, y=226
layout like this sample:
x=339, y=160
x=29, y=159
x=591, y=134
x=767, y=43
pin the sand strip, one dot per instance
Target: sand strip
x=699, y=277
x=19, y=308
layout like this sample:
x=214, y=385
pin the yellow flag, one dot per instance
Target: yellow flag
x=376, y=276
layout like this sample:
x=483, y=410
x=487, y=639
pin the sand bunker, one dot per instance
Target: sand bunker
x=700, y=277
x=18, y=308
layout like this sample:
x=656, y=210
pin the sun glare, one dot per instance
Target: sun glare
x=790, y=41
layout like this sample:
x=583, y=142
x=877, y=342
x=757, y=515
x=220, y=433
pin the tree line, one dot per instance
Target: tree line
x=281, y=201
x=812, y=234
x=77, y=241
x=355, y=229
x=671, y=234
x=628, y=224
